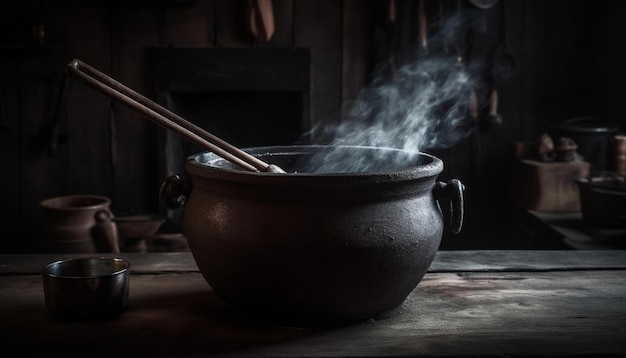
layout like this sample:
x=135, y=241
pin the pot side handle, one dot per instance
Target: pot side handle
x=453, y=191
x=105, y=232
x=174, y=192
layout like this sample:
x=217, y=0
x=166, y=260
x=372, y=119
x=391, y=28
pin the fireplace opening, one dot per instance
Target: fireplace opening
x=244, y=119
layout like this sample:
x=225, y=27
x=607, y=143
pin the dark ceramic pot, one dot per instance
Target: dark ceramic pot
x=78, y=224
x=309, y=249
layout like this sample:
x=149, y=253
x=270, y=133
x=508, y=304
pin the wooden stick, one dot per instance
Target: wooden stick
x=164, y=117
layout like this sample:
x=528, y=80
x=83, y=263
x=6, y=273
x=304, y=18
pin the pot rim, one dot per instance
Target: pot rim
x=54, y=203
x=199, y=164
x=97, y=265
x=605, y=185
x=588, y=124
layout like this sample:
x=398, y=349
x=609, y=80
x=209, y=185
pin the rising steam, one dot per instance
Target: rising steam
x=423, y=106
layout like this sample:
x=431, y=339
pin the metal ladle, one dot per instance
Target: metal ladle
x=112, y=88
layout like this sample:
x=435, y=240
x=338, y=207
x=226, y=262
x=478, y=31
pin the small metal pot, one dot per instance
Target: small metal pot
x=594, y=138
x=308, y=249
x=86, y=288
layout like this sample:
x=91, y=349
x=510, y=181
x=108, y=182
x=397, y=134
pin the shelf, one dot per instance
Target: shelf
x=578, y=235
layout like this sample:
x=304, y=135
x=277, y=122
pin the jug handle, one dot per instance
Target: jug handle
x=107, y=230
x=174, y=191
x=453, y=191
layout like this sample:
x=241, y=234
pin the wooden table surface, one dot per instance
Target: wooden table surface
x=471, y=303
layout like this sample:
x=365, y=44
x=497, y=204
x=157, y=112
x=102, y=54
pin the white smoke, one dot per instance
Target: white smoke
x=423, y=106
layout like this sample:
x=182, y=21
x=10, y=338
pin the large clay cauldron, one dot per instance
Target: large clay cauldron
x=304, y=248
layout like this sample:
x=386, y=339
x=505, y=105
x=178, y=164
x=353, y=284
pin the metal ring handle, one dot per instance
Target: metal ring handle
x=174, y=192
x=453, y=191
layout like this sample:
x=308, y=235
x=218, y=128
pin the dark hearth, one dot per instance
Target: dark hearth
x=247, y=96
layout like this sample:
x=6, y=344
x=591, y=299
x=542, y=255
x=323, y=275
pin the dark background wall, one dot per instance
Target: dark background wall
x=53, y=142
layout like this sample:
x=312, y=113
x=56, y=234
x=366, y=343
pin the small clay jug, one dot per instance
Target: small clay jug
x=78, y=224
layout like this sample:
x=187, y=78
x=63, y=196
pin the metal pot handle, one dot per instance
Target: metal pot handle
x=174, y=192
x=453, y=191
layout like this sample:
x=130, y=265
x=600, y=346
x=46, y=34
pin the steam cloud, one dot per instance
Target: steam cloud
x=424, y=106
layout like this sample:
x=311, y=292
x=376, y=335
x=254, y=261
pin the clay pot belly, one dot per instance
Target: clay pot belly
x=313, y=249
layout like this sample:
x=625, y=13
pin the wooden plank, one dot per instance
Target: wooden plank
x=511, y=104
x=326, y=62
x=134, y=156
x=464, y=314
x=358, y=22
x=230, y=25
x=445, y=261
x=150, y=263
x=527, y=260
x=11, y=215
x=88, y=162
x=41, y=174
x=191, y=26
x=610, y=57
x=558, y=71
x=487, y=170
x=283, y=24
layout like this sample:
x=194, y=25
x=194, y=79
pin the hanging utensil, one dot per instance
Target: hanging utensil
x=260, y=19
x=166, y=118
x=504, y=61
x=503, y=64
x=493, y=117
x=422, y=23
